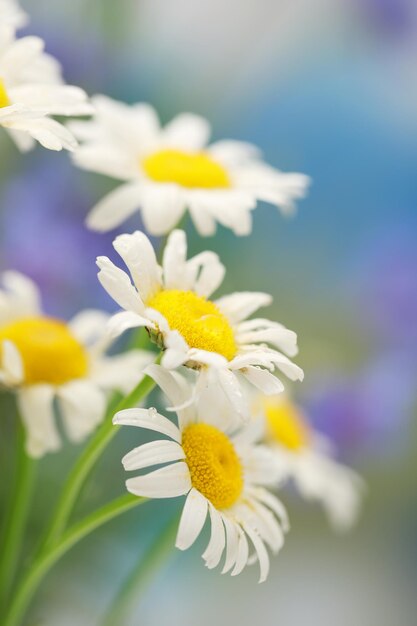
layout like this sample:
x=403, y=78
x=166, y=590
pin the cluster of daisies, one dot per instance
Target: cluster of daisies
x=230, y=436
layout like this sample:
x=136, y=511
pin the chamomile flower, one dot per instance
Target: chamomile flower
x=45, y=360
x=11, y=15
x=213, y=337
x=31, y=91
x=307, y=456
x=167, y=170
x=223, y=478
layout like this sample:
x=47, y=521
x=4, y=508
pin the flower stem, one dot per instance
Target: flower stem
x=48, y=558
x=88, y=458
x=16, y=516
x=140, y=576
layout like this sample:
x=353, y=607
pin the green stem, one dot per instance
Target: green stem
x=16, y=516
x=88, y=458
x=140, y=576
x=48, y=558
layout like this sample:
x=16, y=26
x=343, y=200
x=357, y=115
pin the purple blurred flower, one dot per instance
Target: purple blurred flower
x=43, y=235
x=368, y=410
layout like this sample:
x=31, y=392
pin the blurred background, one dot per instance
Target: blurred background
x=328, y=88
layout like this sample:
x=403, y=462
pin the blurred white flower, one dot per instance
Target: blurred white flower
x=213, y=337
x=31, y=91
x=221, y=477
x=45, y=360
x=169, y=170
x=307, y=457
x=11, y=14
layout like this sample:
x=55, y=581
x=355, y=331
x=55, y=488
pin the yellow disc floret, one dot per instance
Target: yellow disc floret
x=193, y=170
x=4, y=98
x=198, y=320
x=215, y=468
x=50, y=353
x=285, y=424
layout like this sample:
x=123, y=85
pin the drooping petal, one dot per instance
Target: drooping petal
x=217, y=543
x=192, y=519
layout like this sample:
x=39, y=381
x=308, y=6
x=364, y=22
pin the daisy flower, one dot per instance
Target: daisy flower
x=167, y=170
x=11, y=15
x=31, y=91
x=223, y=477
x=46, y=360
x=213, y=337
x=307, y=456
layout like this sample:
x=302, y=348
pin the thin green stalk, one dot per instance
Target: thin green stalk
x=136, y=582
x=87, y=460
x=16, y=516
x=48, y=558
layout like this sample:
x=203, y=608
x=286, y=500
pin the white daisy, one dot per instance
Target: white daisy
x=44, y=359
x=167, y=170
x=222, y=477
x=213, y=337
x=11, y=15
x=31, y=91
x=307, y=455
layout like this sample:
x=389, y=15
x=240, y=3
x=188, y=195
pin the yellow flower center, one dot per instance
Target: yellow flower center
x=4, y=98
x=193, y=170
x=285, y=424
x=49, y=352
x=215, y=468
x=198, y=320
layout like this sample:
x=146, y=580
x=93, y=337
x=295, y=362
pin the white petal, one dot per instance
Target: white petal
x=83, y=406
x=166, y=482
x=260, y=551
x=204, y=222
x=147, y=418
x=176, y=350
x=240, y=305
x=48, y=132
x=120, y=322
x=25, y=293
x=137, y=252
x=275, y=505
x=263, y=380
x=88, y=326
x=232, y=541
x=186, y=132
x=12, y=365
x=36, y=408
x=192, y=520
x=162, y=207
x=234, y=393
x=230, y=152
x=117, y=284
x=115, y=207
x=177, y=390
x=209, y=272
x=175, y=256
x=280, y=337
x=121, y=372
x=242, y=554
x=217, y=543
x=152, y=453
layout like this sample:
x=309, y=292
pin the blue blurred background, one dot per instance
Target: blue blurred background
x=328, y=88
